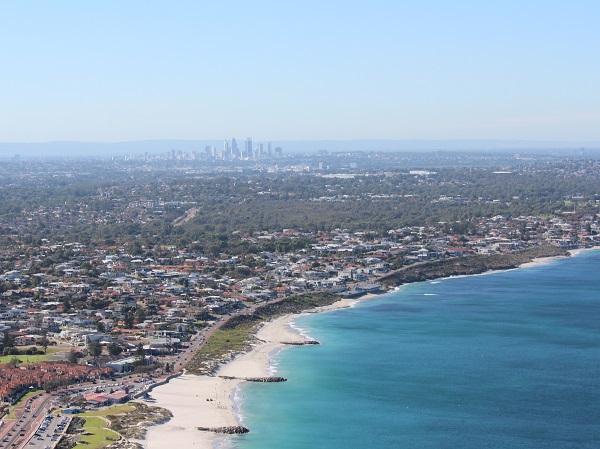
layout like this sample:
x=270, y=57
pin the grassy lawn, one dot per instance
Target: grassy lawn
x=26, y=358
x=32, y=358
x=96, y=432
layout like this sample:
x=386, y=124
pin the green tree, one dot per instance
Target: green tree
x=94, y=348
x=129, y=320
x=139, y=354
x=44, y=343
x=140, y=315
x=14, y=362
x=114, y=349
x=72, y=356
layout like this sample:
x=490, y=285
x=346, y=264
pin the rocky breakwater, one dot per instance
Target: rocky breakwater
x=229, y=430
x=257, y=379
x=300, y=343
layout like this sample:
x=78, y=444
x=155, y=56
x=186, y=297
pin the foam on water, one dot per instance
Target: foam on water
x=299, y=330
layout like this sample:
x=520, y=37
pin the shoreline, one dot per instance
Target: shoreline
x=546, y=260
x=212, y=401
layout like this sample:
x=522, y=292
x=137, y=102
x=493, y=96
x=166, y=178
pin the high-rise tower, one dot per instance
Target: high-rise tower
x=248, y=148
x=235, y=151
x=226, y=150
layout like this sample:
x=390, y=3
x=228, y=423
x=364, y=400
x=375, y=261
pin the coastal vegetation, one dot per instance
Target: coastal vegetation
x=113, y=426
x=237, y=333
x=133, y=424
x=468, y=265
x=222, y=345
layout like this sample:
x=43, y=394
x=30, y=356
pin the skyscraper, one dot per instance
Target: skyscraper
x=235, y=151
x=248, y=148
x=226, y=150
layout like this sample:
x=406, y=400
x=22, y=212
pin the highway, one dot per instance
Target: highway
x=16, y=433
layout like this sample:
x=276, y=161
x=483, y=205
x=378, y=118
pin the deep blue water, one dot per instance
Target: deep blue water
x=504, y=360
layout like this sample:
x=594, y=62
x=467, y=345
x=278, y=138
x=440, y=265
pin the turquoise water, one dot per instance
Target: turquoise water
x=505, y=360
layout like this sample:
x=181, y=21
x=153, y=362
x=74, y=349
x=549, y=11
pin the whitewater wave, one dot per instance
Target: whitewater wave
x=301, y=331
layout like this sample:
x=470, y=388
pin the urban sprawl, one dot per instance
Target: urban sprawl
x=114, y=273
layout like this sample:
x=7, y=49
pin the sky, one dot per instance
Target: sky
x=446, y=69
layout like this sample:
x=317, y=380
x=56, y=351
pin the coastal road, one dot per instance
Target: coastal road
x=196, y=343
x=203, y=335
x=28, y=419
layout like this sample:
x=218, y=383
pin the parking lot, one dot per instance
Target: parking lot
x=49, y=432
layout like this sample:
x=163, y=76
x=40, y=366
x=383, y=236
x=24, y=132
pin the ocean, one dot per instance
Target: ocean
x=497, y=361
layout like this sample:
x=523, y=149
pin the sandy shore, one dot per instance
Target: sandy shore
x=575, y=252
x=206, y=401
x=546, y=260
x=541, y=261
x=194, y=401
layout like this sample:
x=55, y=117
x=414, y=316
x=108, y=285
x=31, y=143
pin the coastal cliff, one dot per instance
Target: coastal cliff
x=468, y=265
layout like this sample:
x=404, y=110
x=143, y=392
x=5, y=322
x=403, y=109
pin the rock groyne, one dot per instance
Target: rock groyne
x=300, y=343
x=257, y=379
x=229, y=430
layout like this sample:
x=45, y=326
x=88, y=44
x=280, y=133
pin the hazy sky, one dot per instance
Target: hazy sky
x=121, y=70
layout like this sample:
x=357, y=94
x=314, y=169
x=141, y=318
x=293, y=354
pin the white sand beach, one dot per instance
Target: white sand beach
x=194, y=401
x=207, y=401
x=575, y=252
x=546, y=260
x=541, y=261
